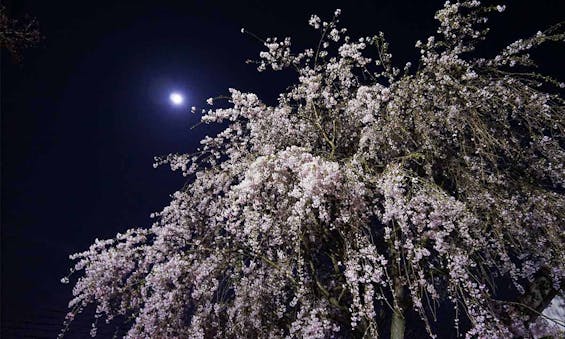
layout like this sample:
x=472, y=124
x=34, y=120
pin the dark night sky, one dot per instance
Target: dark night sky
x=86, y=111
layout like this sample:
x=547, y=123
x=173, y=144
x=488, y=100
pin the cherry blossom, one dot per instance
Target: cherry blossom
x=366, y=195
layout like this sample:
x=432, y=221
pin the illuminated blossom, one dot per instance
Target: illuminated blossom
x=366, y=194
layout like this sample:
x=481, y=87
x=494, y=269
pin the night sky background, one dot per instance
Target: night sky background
x=85, y=112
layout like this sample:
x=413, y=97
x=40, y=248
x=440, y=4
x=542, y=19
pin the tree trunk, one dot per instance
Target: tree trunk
x=398, y=322
x=397, y=326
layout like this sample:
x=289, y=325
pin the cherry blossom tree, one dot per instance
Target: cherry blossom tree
x=369, y=195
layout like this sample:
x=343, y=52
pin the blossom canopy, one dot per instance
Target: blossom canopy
x=368, y=195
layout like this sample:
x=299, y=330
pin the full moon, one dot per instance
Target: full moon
x=176, y=98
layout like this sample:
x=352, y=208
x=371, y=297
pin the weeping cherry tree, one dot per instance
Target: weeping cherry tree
x=368, y=195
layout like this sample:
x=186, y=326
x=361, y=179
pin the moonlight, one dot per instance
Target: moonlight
x=176, y=98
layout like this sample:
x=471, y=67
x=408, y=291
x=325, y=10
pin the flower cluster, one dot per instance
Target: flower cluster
x=365, y=196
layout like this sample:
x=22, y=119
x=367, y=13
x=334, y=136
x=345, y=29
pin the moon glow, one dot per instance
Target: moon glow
x=176, y=98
